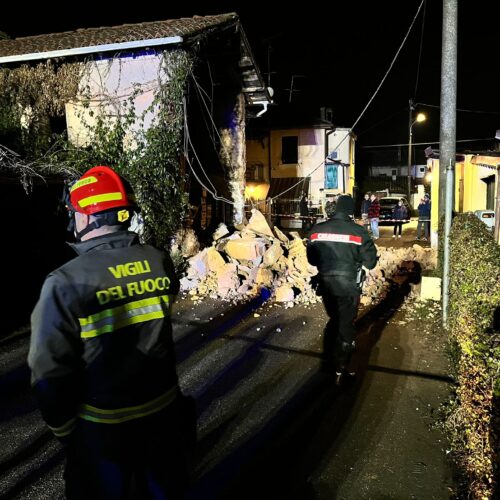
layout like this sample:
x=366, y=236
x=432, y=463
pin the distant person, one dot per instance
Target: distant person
x=340, y=248
x=365, y=207
x=304, y=212
x=373, y=216
x=399, y=214
x=424, y=217
x=102, y=356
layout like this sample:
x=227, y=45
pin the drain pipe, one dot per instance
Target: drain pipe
x=450, y=177
x=264, y=109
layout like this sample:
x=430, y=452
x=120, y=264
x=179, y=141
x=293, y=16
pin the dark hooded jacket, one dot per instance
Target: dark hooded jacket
x=338, y=248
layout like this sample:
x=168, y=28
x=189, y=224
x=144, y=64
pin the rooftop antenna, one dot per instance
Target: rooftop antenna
x=291, y=89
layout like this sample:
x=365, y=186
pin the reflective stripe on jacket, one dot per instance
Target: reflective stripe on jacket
x=101, y=345
x=338, y=248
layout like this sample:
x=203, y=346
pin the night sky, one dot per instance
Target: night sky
x=339, y=55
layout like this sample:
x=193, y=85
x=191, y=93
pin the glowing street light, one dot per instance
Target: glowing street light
x=420, y=118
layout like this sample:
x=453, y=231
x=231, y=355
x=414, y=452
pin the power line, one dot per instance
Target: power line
x=390, y=66
x=462, y=110
x=423, y=143
x=420, y=51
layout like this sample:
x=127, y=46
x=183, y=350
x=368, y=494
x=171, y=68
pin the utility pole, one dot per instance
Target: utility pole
x=448, y=123
x=410, y=140
x=447, y=136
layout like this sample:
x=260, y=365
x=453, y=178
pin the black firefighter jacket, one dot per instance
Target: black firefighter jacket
x=101, y=344
x=338, y=248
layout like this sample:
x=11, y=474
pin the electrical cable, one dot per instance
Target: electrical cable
x=462, y=110
x=420, y=51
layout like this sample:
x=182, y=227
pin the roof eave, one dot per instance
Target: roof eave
x=254, y=88
x=93, y=49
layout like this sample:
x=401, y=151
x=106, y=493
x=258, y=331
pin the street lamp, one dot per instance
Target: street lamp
x=420, y=118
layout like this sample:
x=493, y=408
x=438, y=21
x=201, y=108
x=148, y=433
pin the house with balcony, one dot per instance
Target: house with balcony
x=290, y=159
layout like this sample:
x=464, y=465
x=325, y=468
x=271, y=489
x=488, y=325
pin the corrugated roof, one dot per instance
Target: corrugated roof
x=292, y=185
x=184, y=27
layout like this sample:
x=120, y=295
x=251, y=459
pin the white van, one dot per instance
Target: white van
x=487, y=216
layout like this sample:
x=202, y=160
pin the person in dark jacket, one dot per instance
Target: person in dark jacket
x=340, y=249
x=102, y=357
x=424, y=217
x=399, y=214
x=365, y=207
x=304, y=212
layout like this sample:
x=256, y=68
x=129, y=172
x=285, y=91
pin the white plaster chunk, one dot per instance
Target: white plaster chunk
x=284, y=293
x=264, y=277
x=187, y=284
x=227, y=279
x=245, y=249
x=273, y=253
x=258, y=224
x=197, y=267
x=220, y=232
x=281, y=235
x=215, y=261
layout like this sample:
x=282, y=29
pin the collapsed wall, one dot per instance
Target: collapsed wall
x=239, y=264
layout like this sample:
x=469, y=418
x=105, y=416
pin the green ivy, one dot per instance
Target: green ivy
x=149, y=157
x=30, y=96
x=474, y=417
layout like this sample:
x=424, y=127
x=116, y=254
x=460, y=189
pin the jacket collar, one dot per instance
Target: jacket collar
x=119, y=239
x=341, y=216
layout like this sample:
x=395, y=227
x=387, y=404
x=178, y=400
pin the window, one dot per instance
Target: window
x=394, y=172
x=331, y=176
x=290, y=149
x=255, y=172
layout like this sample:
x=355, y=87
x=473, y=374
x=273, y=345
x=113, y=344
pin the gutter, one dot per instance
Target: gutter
x=92, y=49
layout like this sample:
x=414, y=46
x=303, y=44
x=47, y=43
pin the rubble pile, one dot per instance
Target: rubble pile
x=390, y=260
x=239, y=264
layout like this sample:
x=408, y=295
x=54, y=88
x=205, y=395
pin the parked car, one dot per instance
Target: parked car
x=487, y=216
x=387, y=205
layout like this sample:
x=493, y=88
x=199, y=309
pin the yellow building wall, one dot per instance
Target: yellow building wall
x=468, y=178
x=258, y=152
x=279, y=169
x=352, y=166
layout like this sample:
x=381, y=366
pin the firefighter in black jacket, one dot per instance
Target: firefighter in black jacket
x=340, y=248
x=101, y=353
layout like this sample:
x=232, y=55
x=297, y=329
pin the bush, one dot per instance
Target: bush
x=474, y=418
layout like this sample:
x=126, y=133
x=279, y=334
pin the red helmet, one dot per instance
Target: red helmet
x=100, y=189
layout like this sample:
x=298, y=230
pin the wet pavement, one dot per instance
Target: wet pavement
x=271, y=424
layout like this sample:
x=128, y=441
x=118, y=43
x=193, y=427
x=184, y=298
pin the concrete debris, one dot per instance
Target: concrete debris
x=221, y=231
x=258, y=224
x=284, y=293
x=245, y=249
x=239, y=264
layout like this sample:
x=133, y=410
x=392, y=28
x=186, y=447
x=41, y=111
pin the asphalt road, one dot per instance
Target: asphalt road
x=270, y=423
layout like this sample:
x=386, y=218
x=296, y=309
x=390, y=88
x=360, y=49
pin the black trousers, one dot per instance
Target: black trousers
x=146, y=458
x=398, y=225
x=339, y=331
